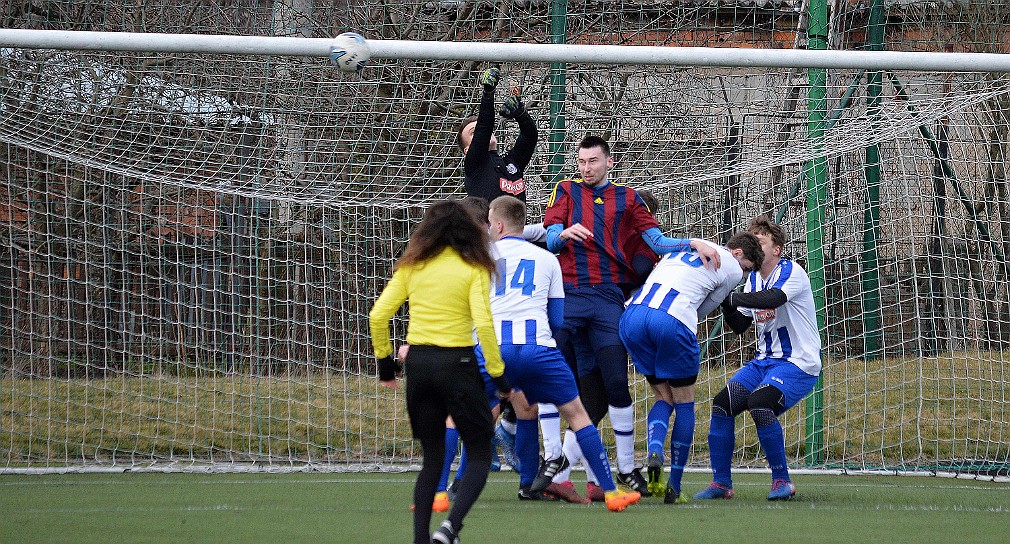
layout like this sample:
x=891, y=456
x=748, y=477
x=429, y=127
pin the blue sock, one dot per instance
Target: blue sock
x=721, y=442
x=659, y=424
x=593, y=453
x=774, y=445
x=527, y=450
x=462, y=463
x=451, y=447
x=680, y=441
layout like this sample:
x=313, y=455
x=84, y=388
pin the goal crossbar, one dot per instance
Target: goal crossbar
x=509, y=52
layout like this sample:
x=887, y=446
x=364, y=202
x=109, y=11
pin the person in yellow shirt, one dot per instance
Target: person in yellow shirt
x=445, y=273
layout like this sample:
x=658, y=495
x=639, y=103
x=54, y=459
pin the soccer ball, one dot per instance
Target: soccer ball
x=350, y=52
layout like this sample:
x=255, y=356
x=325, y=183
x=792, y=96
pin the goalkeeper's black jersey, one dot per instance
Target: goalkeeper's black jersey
x=488, y=174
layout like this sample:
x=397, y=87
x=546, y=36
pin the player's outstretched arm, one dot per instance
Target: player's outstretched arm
x=664, y=244
x=765, y=299
x=526, y=144
x=535, y=233
x=477, y=155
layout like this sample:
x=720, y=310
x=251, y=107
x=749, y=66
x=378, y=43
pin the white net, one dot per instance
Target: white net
x=192, y=242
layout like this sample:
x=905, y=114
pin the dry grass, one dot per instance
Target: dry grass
x=898, y=413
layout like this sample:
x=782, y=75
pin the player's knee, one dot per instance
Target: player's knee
x=738, y=397
x=720, y=404
x=617, y=391
x=765, y=404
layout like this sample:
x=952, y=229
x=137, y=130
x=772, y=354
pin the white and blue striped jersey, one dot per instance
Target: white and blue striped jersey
x=681, y=286
x=528, y=277
x=789, y=331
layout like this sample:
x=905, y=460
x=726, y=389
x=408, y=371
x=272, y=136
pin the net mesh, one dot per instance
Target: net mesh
x=191, y=243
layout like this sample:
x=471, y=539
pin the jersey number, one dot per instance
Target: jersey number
x=692, y=259
x=521, y=279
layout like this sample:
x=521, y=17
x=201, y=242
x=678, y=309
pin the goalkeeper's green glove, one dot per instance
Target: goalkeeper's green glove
x=388, y=368
x=512, y=108
x=489, y=78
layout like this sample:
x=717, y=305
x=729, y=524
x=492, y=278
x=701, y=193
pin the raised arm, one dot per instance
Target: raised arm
x=526, y=144
x=477, y=154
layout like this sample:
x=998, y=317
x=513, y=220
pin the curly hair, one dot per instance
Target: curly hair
x=448, y=223
x=762, y=224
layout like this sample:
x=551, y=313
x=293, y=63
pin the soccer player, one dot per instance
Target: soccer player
x=643, y=259
x=445, y=273
x=486, y=173
x=527, y=303
x=489, y=175
x=777, y=299
x=589, y=221
x=660, y=330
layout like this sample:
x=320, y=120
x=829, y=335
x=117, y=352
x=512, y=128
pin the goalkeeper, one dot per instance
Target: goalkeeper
x=777, y=298
x=486, y=173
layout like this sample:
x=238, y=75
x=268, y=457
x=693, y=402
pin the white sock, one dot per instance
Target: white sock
x=573, y=452
x=550, y=427
x=623, y=422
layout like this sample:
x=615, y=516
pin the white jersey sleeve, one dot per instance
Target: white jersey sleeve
x=529, y=276
x=789, y=331
x=681, y=286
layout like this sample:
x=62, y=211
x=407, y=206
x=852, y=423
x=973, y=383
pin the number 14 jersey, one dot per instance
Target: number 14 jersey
x=527, y=277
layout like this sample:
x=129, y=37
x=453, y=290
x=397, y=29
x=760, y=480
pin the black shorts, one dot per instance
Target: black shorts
x=443, y=382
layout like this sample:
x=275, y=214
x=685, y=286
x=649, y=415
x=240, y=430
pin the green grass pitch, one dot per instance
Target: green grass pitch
x=375, y=508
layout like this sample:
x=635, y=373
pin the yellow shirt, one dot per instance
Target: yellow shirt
x=449, y=298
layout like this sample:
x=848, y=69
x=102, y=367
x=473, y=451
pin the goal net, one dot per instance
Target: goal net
x=191, y=242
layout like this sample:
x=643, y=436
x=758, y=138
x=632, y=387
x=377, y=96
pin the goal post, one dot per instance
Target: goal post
x=195, y=227
x=510, y=51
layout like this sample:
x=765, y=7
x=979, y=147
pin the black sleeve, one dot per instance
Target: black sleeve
x=736, y=320
x=526, y=144
x=763, y=300
x=478, y=154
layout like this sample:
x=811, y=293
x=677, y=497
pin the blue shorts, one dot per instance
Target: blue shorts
x=489, y=388
x=541, y=373
x=780, y=373
x=593, y=313
x=659, y=344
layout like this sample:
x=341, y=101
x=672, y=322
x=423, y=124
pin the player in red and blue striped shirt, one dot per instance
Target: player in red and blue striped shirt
x=589, y=222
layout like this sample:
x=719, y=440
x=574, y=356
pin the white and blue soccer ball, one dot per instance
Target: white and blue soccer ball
x=350, y=52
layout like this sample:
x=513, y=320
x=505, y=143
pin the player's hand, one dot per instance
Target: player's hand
x=512, y=108
x=709, y=255
x=577, y=232
x=388, y=369
x=503, y=389
x=489, y=78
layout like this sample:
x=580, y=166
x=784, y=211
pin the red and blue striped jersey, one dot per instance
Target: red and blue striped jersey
x=614, y=213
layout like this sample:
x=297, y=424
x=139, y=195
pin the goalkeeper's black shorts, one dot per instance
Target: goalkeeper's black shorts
x=446, y=382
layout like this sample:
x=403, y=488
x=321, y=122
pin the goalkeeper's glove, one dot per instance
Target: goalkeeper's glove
x=502, y=386
x=512, y=108
x=388, y=368
x=728, y=301
x=489, y=78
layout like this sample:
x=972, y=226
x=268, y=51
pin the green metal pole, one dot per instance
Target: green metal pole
x=556, y=138
x=817, y=175
x=872, y=332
